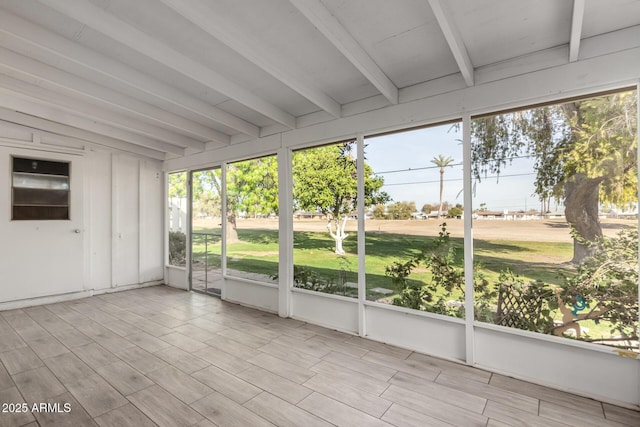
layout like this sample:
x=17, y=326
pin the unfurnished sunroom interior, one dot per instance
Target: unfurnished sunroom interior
x=319, y=212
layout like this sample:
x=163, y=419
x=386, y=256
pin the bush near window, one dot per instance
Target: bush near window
x=444, y=292
x=177, y=248
x=603, y=289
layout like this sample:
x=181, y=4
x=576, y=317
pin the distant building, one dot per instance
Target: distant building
x=506, y=215
x=309, y=215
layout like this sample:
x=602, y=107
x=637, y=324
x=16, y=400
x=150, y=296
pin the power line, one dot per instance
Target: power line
x=457, y=179
x=438, y=167
x=415, y=169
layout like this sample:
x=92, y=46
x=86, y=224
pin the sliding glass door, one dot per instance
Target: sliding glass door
x=206, y=230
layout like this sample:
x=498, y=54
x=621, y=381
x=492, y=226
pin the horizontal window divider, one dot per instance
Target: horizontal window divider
x=47, y=175
x=34, y=220
x=40, y=205
x=250, y=281
x=601, y=348
x=419, y=313
x=176, y=267
x=41, y=188
x=354, y=301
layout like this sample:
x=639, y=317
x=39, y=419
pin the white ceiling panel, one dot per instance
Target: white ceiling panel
x=239, y=69
x=610, y=15
x=497, y=30
x=403, y=37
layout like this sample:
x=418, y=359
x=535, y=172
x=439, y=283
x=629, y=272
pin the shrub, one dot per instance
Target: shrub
x=606, y=286
x=379, y=212
x=447, y=280
x=602, y=289
x=177, y=248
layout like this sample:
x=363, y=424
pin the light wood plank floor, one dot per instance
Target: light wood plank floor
x=159, y=356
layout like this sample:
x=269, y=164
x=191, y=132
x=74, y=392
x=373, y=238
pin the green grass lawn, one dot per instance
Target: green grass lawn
x=257, y=252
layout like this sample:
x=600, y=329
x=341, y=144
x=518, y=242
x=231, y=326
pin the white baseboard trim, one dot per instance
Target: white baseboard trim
x=52, y=299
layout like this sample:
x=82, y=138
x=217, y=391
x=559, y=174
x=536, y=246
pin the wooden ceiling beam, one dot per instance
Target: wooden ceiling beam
x=37, y=124
x=19, y=34
x=116, y=29
x=71, y=86
x=201, y=14
x=338, y=35
x=454, y=40
x=577, y=18
x=35, y=107
x=97, y=115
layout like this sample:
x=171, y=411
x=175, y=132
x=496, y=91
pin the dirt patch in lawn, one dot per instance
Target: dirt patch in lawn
x=551, y=230
x=254, y=253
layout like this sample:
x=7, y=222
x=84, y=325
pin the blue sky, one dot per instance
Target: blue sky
x=392, y=155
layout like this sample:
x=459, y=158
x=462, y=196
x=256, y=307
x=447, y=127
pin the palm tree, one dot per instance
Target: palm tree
x=442, y=162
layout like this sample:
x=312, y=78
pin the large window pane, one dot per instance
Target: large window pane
x=177, y=218
x=252, y=213
x=414, y=240
x=325, y=230
x=555, y=219
x=206, y=226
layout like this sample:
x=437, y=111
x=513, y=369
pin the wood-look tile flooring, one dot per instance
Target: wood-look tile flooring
x=159, y=356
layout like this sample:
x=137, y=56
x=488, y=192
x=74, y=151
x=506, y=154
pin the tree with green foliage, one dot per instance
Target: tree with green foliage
x=177, y=184
x=325, y=180
x=252, y=187
x=455, y=211
x=605, y=289
x=401, y=210
x=442, y=162
x=444, y=292
x=207, y=200
x=252, y=190
x=584, y=151
x=379, y=211
x=177, y=193
x=427, y=208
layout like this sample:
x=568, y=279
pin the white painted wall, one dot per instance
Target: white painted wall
x=126, y=224
x=151, y=209
x=428, y=333
x=37, y=257
x=176, y=277
x=99, y=201
x=257, y=295
x=574, y=367
x=331, y=311
x=116, y=202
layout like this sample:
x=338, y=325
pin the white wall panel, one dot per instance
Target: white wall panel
x=339, y=313
x=117, y=207
x=41, y=258
x=151, y=221
x=126, y=227
x=588, y=372
x=417, y=331
x=99, y=219
x=252, y=294
x=176, y=277
x=9, y=131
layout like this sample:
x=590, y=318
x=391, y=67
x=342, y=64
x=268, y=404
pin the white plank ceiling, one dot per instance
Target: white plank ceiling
x=165, y=78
